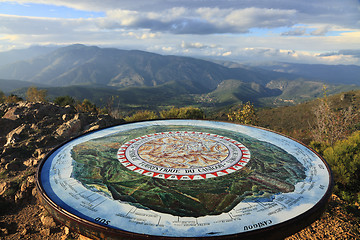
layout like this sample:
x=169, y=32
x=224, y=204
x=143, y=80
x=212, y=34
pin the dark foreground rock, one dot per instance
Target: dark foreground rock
x=28, y=131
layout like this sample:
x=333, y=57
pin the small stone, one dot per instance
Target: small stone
x=4, y=231
x=31, y=179
x=28, y=162
x=66, y=230
x=24, y=232
x=81, y=237
x=45, y=232
x=34, y=192
x=24, y=186
x=48, y=221
x=3, y=187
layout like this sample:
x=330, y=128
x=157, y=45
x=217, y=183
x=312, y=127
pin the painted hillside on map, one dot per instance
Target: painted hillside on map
x=270, y=171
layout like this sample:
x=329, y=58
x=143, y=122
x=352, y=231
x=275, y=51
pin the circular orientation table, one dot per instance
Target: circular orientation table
x=174, y=179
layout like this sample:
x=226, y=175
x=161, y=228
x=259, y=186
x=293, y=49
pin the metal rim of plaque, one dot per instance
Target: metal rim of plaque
x=173, y=179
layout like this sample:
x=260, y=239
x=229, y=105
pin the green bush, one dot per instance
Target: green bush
x=64, y=100
x=344, y=160
x=244, y=113
x=35, y=95
x=87, y=106
x=183, y=113
x=142, y=115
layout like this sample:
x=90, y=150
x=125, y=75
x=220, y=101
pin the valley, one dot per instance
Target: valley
x=132, y=80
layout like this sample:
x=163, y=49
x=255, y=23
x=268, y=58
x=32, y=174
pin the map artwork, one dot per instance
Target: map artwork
x=184, y=178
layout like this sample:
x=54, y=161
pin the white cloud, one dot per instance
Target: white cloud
x=321, y=31
x=295, y=32
x=193, y=45
x=225, y=54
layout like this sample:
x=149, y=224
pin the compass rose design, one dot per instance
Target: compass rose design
x=183, y=155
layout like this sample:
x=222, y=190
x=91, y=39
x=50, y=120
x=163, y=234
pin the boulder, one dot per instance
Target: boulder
x=16, y=135
x=69, y=128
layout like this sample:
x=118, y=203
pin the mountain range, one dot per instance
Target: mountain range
x=92, y=70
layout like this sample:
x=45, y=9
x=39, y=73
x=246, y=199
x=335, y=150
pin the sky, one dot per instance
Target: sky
x=306, y=31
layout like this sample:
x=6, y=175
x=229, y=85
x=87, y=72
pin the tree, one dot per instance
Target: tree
x=332, y=124
x=35, y=95
x=87, y=106
x=244, y=113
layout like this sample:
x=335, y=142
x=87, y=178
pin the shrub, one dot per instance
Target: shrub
x=332, y=124
x=344, y=159
x=244, y=113
x=142, y=115
x=13, y=99
x=35, y=95
x=183, y=113
x=64, y=101
x=87, y=106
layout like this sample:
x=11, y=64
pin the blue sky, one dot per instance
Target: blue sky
x=322, y=31
x=45, y=10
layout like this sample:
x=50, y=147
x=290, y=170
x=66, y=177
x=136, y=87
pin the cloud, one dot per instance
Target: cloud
x=348, y=52
x=40, y=26
x=296, y=32
x=321, y=31
x=285, y=55
x=233, y=28
x=197, y=45
x=215, y=17
x=199, y=21
x=141, y=35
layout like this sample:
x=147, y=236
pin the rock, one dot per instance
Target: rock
x=30, y=162
x=3, y=187
x=15, y=135
x=18, y=196
x=69, y=128
x=66, y=117
x=34, y=192
x=12, y=113
x=31, y=179
x=81, y=237
x=4, y=231
x=24, y=232
x=48, y=221
x=45, y=232
x=66, y=230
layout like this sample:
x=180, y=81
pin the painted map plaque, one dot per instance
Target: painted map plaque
x=184, y=179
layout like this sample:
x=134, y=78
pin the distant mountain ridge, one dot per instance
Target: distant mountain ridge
x=83, y=65
x=141, y=79
x=16, y=55
x=332, y=74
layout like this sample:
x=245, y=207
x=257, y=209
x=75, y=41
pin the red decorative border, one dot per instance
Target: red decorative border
x=245, y=158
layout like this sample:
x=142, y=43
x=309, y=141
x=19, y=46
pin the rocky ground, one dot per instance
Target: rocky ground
x=28, y=131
